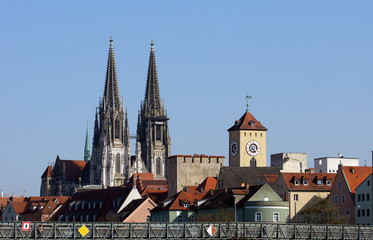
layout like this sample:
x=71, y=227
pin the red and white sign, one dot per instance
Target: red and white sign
x=26, y=226
x=211, y=230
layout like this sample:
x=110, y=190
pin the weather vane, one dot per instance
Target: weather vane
x=247, y=102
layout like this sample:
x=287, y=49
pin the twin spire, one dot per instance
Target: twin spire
x=111, y=92
x=152, y=102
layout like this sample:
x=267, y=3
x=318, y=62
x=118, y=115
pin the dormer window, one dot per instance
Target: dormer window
x=305, y=182
x=319, y=182
x=328, y=182
x=296, y=182
x=252, y=123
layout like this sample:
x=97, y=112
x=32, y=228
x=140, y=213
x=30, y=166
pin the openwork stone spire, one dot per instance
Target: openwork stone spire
x=152, y=103
x=111, y=92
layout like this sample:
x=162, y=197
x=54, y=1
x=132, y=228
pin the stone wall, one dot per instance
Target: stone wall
x=188, y=170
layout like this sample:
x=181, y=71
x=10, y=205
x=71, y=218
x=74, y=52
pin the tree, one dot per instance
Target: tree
x=322, y=212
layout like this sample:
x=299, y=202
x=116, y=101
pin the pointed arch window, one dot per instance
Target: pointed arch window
x=117, y=163
x=117, y=129
x=253, y=162
x=158, y=167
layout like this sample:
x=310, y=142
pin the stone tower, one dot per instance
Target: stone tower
x=247, y=142
x=111, y=139
x=152, y=127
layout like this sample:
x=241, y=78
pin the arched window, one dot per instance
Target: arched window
x=252, y=123
x=158, y=167
x=117, y=129
x=276, y=217
x=253, y=162
x=117, y=163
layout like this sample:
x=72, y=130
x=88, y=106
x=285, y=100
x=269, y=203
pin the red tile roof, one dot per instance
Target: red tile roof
x=243, y=123
x=19, y=207
x=73, y=168
x=208, y=183
x=48, y=173
x=312, y=178
x=356, y=175
x=271, y=178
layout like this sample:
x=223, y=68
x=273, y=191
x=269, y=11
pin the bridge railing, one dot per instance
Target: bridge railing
x=62, y=230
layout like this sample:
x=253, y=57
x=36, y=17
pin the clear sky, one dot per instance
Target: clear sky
x=308, y=66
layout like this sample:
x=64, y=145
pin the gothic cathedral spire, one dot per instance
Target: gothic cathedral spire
x=152, y=127
x=109, y=160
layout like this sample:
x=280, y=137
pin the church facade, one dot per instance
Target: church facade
x=111, y=163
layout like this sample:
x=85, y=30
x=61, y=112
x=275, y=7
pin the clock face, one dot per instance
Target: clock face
x=234, y=148
x=253, y=148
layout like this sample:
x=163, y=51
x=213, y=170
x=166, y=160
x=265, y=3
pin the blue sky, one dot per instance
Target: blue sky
x=307, y=65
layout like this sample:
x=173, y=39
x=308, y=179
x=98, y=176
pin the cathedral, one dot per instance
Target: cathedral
x=111, y=163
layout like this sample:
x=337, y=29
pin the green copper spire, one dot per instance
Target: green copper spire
x=87, y=147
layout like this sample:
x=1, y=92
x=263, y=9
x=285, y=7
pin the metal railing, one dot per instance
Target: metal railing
x=61, y=230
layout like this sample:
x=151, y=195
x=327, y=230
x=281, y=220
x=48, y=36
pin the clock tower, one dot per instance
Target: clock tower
x=247, y=142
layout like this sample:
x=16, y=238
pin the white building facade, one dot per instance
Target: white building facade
x=330, y=164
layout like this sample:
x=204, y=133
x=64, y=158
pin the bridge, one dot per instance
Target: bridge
x=61, y=230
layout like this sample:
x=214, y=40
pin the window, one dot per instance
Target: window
x=328, y=182
x=363, y=212
x=347, y=213
x=343, y=198
x=296, y=182
x=319, y=182
x=252, y=123
x=335, y=198
x=158, y=167
x=320, y=162
x=339, y=185
x=117, y=163
x=300, y=167
x=296, y=197
x=358, y=198
x=147, y=218
x=158, y=133
x=368, y=212
x=117, y=129
x=258, y=217
x=358, y=213
x=367, y=196
x=253, y=162
x=180, y=218
x=266, y=199
x=368, y=183
x=305, y=182
x=276, y=217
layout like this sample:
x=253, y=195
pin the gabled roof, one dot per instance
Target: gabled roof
x=48, y=173
x=104, y=196
x=355, y=175
x=222, y=198
x=233, y=177
x=4, y=200
x=73, y=168
x=207, y=184
x=19, y=207
x=289, y=179
x=271, y=178
x=244, y=123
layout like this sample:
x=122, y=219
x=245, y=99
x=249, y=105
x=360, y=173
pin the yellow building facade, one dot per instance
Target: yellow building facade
x=247, y=142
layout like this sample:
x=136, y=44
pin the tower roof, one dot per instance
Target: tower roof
x=247, y=122
x=152, y=96
x=111, y=92
x=87, y=146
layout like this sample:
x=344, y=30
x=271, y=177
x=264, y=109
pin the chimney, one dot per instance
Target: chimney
x=340, y=155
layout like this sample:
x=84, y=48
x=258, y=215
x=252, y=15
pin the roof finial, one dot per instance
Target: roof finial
x=247, y=102
x=152, y=45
